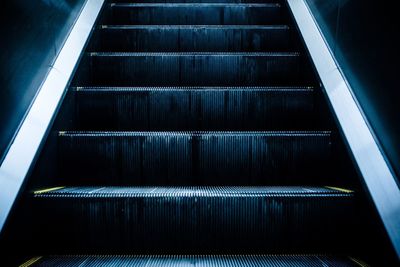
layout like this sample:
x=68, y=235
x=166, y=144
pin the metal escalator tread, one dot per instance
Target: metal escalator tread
x=193, y=108
x=196, y=260
x=194, y=191
x=192, y=69
x=195, y=219
x=194, y=158
x=192, y=38
x=193, y=13
x=194, y=137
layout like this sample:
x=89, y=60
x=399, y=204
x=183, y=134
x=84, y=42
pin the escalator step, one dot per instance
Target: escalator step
x=191, y=38
x=193, y=108
x=194, y=158
x=167, y=219
x=193, y=13
x=192, y=69
x=197, y=260
x=169, y=149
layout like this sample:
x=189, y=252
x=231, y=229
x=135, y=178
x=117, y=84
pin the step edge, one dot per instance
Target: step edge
x=192, y=88
x=200, y=54
x=132, y=5
x=193, y=133
x=193, y=191
x=194, y=26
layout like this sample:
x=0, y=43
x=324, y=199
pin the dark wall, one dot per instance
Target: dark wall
x=31, y=35
x=364, y=36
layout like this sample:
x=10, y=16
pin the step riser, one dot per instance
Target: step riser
x=185, y=224
x=189, y=70
x=193, y=109
x=195, y=14
x=194, y=39
x=151, y=159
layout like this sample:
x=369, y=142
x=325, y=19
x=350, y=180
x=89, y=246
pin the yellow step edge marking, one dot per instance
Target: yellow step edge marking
x=30, y=262
x=340, y=189
x=361, y=263
x=48, y=190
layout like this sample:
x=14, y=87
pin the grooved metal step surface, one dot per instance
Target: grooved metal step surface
x=192, y=38
x=191, y=69
x=197, y=260
x=193, y=158
x=194, y=130
x=198, y=1
x=193, y=108
x=193, y=13
x=194, y=218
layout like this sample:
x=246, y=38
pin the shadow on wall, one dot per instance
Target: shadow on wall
x=32, y=34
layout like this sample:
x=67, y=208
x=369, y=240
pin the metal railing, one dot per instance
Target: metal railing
x=21, y=154
x=376, y=172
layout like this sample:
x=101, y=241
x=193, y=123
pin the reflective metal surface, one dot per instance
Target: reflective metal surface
x=22, y=152
x=32, y=34
x=362, y=35
x=196, y=260
x=378, y=178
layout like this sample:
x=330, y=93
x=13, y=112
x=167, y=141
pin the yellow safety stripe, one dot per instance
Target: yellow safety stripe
x=340, y=189
x=48, y=190
x=30, y=262
x=361, y=263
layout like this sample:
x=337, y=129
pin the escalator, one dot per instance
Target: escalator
x=193, y=133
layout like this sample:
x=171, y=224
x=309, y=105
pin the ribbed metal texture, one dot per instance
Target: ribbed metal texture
x=193, y=158
x=198, y=260
x=193, y=218
x=191, y=191
x=193, y=14
x=186, y=112
x=193, y=108
x=191, y=38
x=191, y=69
x=197, y=1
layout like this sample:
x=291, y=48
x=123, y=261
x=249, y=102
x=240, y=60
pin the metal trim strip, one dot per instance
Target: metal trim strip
x=27, y=141
x=377, y=174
